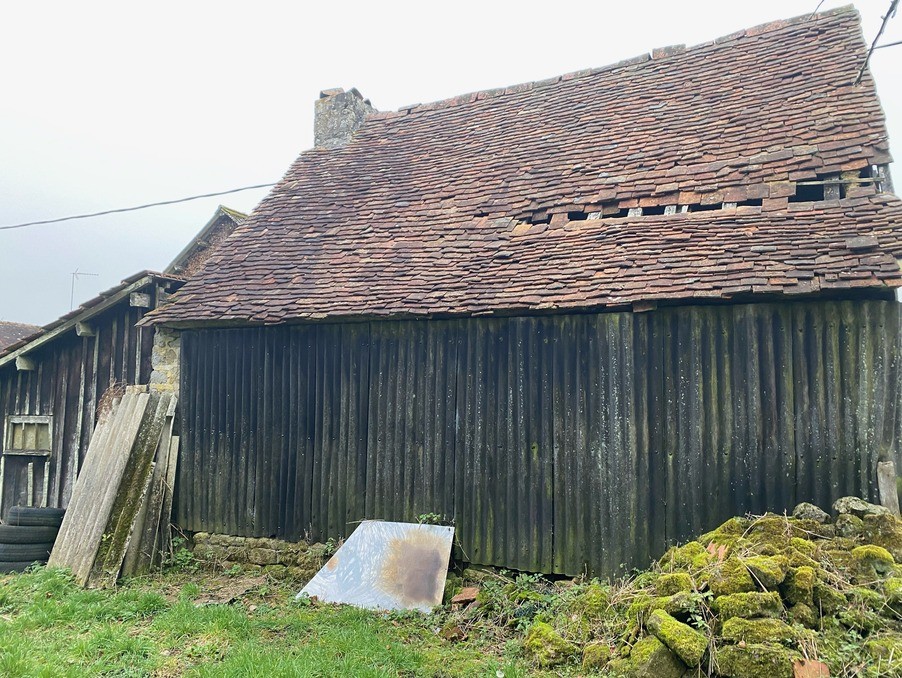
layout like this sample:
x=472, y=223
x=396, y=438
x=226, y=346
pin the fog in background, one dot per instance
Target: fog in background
x=107, y=105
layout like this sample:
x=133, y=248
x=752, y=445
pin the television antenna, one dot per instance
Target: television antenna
x=76, y=274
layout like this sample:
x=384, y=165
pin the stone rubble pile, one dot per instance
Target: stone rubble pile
x=772, y=596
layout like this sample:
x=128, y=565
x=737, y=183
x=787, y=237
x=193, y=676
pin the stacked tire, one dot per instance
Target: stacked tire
x=27, y=536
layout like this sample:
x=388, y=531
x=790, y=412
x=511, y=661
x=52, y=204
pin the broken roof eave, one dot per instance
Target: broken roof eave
x=115, y=296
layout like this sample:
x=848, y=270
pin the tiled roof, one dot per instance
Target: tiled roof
x=439, y=208
x=200, y=247
x=84, y=311
x=10, y=333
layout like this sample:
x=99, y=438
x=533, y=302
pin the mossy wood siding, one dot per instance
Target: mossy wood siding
x=556, y=443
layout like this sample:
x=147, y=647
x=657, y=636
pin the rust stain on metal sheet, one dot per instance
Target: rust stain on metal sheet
x=414, y=569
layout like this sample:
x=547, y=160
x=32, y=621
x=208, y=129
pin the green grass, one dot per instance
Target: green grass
x=152, y=627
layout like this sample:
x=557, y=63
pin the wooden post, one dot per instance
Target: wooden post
x=886, y=485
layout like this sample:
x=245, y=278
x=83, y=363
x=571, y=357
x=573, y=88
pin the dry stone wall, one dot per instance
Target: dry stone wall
x=298, y=560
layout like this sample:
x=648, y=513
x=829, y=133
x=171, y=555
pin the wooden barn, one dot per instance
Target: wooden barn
x=584, y=317
x=53, y=378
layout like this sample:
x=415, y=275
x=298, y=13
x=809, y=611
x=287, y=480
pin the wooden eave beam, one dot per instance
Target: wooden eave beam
x=83, y=317
x=83, y=329
x=25, y=364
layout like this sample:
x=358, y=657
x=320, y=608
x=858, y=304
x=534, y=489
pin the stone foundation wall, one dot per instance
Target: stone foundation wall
x=298, y=560
x=164, y=360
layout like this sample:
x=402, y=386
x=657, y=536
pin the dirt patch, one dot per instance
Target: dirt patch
x=228, y=590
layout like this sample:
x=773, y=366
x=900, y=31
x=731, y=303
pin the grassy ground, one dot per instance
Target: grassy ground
x=205, y=625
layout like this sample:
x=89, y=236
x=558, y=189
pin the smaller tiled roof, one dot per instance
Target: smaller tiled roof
x=201, y=246
x=88, y=309
x=10, y=333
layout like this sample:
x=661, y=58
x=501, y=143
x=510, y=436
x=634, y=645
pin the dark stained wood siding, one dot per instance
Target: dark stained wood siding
x=71, y=374
x=557, y=443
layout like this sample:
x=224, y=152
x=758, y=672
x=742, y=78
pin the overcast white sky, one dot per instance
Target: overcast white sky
x=108, y=105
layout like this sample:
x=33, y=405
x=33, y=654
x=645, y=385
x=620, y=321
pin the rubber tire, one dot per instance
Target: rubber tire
x=35, y=516
x=18, y=553
x=27, y=534
x=11, y=566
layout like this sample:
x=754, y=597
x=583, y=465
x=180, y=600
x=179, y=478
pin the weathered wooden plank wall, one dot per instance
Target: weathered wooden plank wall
x=557, y=443
x=72, y=374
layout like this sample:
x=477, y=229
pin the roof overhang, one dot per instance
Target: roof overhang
x=84, y=314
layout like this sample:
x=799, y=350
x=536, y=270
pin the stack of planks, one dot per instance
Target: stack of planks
x=118, y=517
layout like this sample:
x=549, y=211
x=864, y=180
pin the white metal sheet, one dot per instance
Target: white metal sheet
x=387, y=566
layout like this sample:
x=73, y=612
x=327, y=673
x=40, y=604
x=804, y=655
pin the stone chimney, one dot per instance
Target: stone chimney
x=338, y=114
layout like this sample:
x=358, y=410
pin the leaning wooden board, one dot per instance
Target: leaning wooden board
x=143, y=545
x=109, y=491
x=89, y=507
x=131, y=493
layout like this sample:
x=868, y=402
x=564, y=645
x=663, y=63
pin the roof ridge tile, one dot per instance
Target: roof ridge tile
x=655, y=54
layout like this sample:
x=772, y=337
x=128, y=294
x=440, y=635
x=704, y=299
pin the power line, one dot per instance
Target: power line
x=137, y=207
x=891, y=12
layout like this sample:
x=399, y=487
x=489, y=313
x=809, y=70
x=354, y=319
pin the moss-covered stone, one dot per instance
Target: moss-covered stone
x=688, y=644
x=803, y=614
x=811, y=529
x=577, y=618
x=804, y=546
x=754, y=660
x=770, y=533
x=640, y=609
x=886, y=648
x=546, y=646
x=892, y=589
x=678, y=604
x=768, y=571
x=730, y=576
x=749, y=605
x=592, y=602
x=827, y=599
x=649, y=658
x=726, y=534
x=848, y=526
x=837, y=558
x=858, y=507
x=862, y=596
x=737, y=629
x=691, y=556
x=806, y=511
x=668, y=584
x=798, y=587
x=797, y=558
x=870, y=563
x=884, y=530
x=596, y=656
